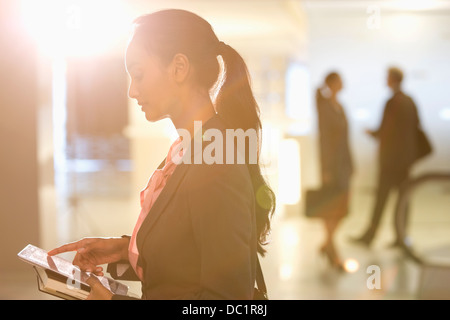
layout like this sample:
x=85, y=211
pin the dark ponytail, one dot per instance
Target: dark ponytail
x=235, y=101
x=236, y=104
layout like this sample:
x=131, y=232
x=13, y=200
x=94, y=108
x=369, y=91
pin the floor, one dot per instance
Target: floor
x=293, y=268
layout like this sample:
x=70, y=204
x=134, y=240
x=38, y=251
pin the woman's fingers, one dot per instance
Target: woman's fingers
x=99, y=271
x=85, y=258
x=93, y=282
x=74, y=246
x=87, y=263
x=83, y=263
x=98, y=291
x=81, y=246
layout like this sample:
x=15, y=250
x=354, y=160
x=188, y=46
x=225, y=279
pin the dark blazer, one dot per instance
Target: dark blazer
x=397, y=134
x=335, y=155
x=199, y=238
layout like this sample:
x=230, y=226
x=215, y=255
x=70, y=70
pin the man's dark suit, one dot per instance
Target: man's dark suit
x=397, y=136
x=199, y=238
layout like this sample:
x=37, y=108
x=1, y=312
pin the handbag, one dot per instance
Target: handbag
x=424, y=146
x=321, y=202
x=260, y=291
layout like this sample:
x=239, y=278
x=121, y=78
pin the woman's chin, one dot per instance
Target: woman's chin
x=152, y=117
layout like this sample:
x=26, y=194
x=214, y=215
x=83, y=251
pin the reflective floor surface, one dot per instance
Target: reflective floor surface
x=293, y=267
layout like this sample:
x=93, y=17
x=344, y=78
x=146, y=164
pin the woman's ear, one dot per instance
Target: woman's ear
x=180, y=67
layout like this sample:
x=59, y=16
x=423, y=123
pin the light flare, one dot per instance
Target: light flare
x=75, y=28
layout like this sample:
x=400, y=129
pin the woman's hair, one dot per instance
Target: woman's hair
x=168, y=32
x=331, y=77
x=396, y=74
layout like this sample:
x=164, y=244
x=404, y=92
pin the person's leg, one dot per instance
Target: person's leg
x=331, y=224
x=328, y=248
x=401, y=224
x=383, y=190
x=398, y=239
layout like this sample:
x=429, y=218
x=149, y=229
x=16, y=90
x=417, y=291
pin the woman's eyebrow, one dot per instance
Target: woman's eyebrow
x=131, y=65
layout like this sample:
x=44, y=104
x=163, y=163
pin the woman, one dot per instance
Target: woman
x=335, y=160
x=201, y=224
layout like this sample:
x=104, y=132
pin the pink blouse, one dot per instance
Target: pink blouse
x=148, y=197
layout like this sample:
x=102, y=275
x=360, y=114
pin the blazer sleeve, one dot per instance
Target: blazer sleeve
x=398, y=132
x=221, y=205
x=384, y=119
x=127, y=275
x=408, y=121
x=122, y=270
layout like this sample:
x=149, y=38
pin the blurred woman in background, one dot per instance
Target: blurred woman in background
x=335, y=160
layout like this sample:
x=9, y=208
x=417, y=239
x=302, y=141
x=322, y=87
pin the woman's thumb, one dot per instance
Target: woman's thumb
x=93, y=281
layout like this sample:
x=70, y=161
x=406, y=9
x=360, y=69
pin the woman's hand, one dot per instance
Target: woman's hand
x=91, y=252
x=98, y=291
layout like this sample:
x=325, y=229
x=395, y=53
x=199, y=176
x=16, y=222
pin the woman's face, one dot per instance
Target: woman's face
x=151, y=84
x=336, y=85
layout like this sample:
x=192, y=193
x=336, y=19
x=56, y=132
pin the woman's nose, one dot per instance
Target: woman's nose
x=132, y=92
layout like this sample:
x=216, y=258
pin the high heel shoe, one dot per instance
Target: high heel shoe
x=329, y=252
x=364, y=240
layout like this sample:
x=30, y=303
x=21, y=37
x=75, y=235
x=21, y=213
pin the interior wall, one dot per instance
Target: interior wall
x=361, y=44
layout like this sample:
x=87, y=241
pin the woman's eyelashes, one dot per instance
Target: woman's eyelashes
x=137, y=76
x=136, y=73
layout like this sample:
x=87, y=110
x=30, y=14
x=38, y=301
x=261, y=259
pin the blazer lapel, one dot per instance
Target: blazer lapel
x=167, y=193
x=169, y=190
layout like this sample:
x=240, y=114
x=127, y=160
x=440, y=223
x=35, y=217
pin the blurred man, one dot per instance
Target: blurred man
x=397, y=149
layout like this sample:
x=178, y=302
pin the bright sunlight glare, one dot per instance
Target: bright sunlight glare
x=75, y=28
